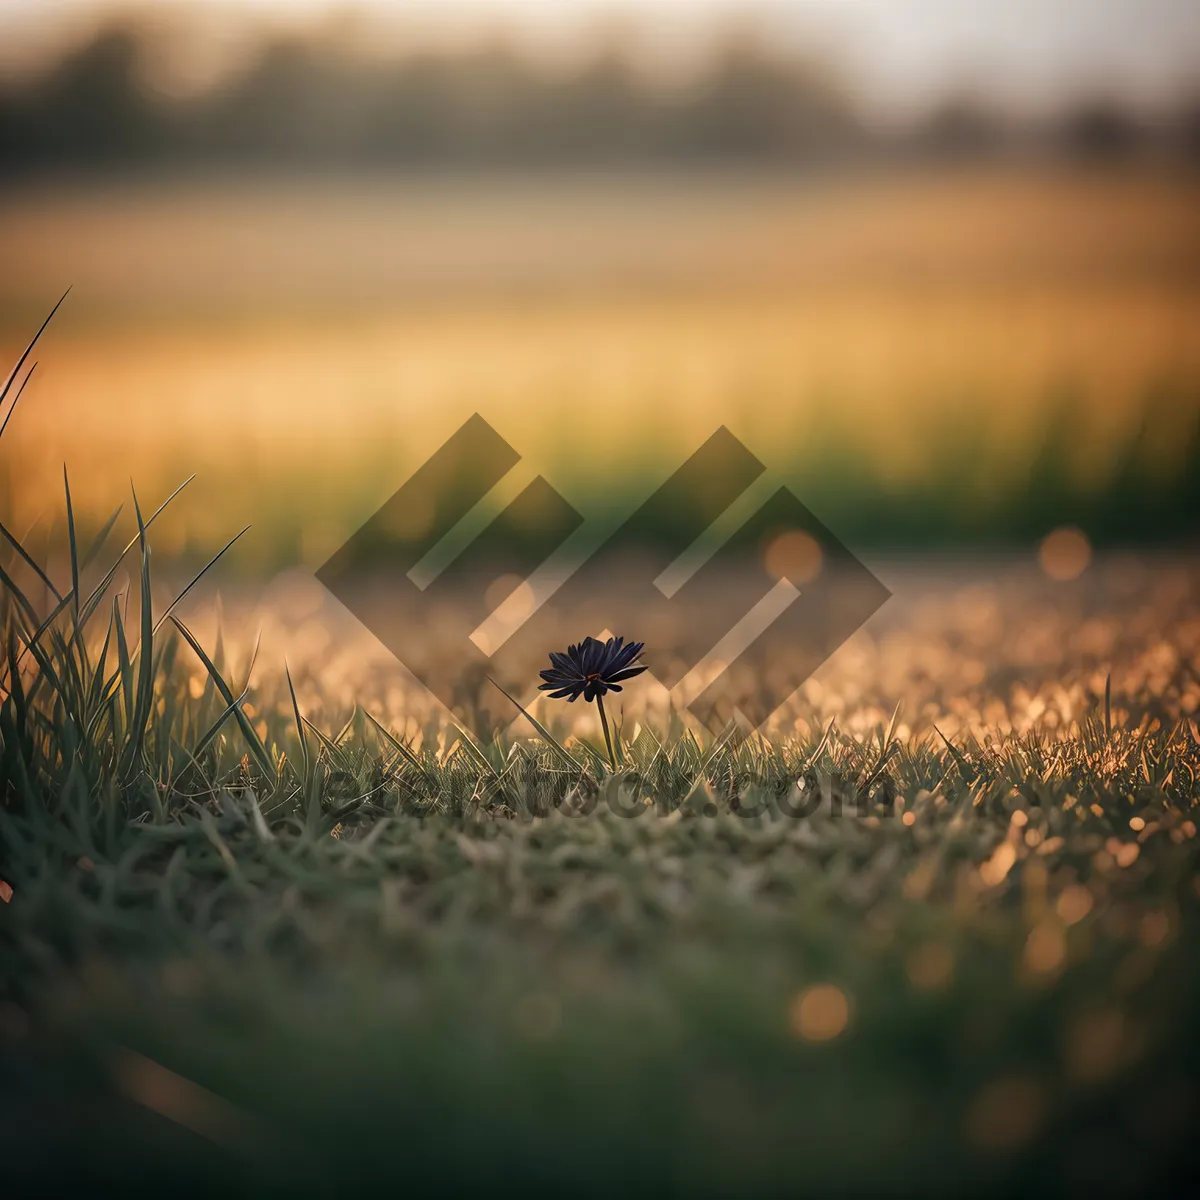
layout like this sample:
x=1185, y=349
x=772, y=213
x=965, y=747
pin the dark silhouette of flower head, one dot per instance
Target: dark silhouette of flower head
x=591, y=668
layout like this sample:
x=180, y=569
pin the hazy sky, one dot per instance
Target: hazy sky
x=901, y=52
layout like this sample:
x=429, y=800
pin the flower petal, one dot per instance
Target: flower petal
x=628, y=673
x=626, y=656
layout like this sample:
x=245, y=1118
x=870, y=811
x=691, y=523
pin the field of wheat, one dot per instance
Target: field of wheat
x=916, y=346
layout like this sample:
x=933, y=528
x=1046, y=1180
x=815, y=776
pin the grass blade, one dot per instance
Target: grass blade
x=248, y=732
x=143, y=696
x=29, y=561
x=312, y=794
x=211, y=732
x=965, y=769
x=542, y=730
x=12, y=408
x=94, y=599
x=10, y=585
x=203, y=570
x=97, y=595
x=29, y=349
x=402, y=749
x=74, y=549
x=100, y=538
x=469, y=744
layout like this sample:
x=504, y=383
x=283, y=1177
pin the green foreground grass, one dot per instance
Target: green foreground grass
x=275, y=958
x=309, y=956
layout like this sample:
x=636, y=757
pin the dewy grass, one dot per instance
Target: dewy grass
x=730, y=966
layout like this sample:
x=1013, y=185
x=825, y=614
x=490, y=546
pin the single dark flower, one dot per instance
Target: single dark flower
x=591, y=668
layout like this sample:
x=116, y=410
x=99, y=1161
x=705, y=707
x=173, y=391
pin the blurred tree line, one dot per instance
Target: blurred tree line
x=307, y=102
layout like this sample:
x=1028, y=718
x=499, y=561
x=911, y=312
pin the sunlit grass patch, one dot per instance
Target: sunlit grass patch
x=827, y=960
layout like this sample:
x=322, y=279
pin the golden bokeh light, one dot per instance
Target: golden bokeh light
x=819, y=1013
x=995, y=870
x=512, y=601
x=1074, y=904
x=1045, y=948
x=1065, y=553
x=500, y=589
x=794, y=556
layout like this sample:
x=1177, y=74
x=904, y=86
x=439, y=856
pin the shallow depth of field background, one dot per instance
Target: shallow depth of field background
x=949, y=295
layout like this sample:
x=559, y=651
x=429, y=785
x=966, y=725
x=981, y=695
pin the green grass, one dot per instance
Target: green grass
x=439, y=964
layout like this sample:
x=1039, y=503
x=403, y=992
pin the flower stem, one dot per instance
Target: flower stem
x=612, y=758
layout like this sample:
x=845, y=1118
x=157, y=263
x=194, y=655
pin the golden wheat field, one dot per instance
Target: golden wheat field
x=302, y=346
